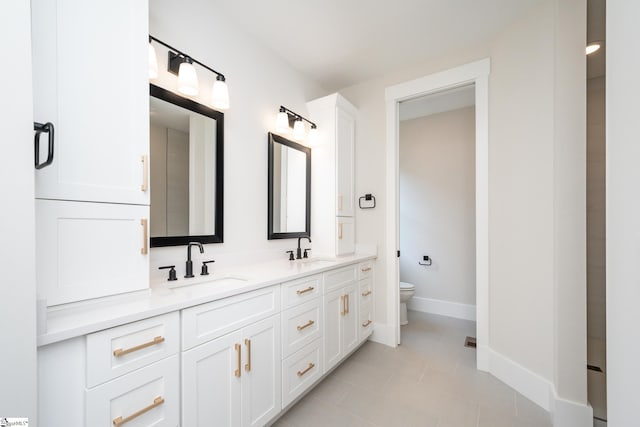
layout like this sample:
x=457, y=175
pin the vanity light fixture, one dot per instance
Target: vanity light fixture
x=287, y=118
x=182, y=65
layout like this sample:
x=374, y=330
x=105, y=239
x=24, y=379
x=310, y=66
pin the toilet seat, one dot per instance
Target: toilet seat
x=407, y=286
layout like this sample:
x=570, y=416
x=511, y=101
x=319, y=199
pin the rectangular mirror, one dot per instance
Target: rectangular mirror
x=289, y=207
x=186, y=145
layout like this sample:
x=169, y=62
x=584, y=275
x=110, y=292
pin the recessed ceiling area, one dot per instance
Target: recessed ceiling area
x=338, y=43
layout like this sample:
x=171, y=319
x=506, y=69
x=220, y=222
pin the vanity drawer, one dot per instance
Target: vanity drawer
x=148, y=396
x=116, y=351
x=365, y=323
x=300, y=371
x=365, y=269
x=365, y=290
x=301, y=325
x=301, y=290
x=339, y=277
x=205, y=322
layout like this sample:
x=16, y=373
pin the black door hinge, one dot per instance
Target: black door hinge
x=398, y=254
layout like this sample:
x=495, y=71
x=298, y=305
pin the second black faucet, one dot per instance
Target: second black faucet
x=299, y=250
x=189, y=262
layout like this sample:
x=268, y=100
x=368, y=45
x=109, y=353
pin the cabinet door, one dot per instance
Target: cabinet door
x=333, y=313
x=90, y=79
x=211, y=383
x=261, y=378
x=345, y=142
x=350, y=320
x=89, y=250
x=346, y=235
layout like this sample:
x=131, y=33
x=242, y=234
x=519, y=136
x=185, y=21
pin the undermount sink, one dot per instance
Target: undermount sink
x=228, y=279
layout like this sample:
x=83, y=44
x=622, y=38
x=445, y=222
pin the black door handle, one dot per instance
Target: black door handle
x=40, y=128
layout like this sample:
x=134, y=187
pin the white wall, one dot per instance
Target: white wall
x=623, y=213
x=527, y=106
x=17, y=228
x=259, y=82
x=437, y=205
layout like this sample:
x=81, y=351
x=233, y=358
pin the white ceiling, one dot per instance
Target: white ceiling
x=339, y=43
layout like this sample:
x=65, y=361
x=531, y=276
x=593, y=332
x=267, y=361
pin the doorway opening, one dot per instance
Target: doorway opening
x=475, y=74
x=437, y=205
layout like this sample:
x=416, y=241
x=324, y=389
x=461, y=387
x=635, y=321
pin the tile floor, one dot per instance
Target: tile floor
x=428, y=381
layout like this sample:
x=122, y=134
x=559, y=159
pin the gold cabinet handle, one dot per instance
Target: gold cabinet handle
x=247, y=366
x=307, y=369
x=339, y=231
x=145, y=236
x=340, y=201
x=117, y=422
x=304, y=291
x=238, y=372
x=342, y=313
x=346, y=297
x=366, y=294
x=367, y=323
x=306, y=325
x=365, y=269
x=145, y=173
x=121, y=352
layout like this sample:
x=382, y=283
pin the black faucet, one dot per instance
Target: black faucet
x=189, y=262
x=299, y=251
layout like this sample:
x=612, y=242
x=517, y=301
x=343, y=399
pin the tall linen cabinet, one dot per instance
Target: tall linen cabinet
x=332, y=176
x=92, y=202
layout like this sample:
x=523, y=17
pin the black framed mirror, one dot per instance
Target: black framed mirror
x=289, y=189
x=187, y=163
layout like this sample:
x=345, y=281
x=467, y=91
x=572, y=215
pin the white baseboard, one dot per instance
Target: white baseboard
x=541, y=391
x=443, y=308
x=384, y=334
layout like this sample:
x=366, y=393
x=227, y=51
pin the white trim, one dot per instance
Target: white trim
x=443, y=308
x=564, y=413
x=473, y=73
x=384, y=334
x=528, y=383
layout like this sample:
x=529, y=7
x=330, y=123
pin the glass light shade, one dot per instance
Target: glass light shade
x=314, y=137
x=220, y=95
x=153, y=63
x=187, y=79
x=282, y=122
x=592, y=47
x=298, y=130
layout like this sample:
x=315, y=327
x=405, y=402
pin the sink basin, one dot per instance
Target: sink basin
x=229, y=279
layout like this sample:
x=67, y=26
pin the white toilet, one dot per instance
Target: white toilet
x=407, y=290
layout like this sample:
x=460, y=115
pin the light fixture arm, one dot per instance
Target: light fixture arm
x=219, y=75
x=296, y=115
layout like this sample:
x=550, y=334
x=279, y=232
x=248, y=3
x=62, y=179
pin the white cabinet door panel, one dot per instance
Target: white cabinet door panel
x=350, y=320
x=345, y=141
x=333, y=312
x=346, y=235
x=90, y=79
x=89, y=250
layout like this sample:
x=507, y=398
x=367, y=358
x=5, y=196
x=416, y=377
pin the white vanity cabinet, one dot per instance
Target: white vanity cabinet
x=365, y=300
x=341, y=314
x=333, y=195
x=231, y=360
x=123, y=375
x=90, y=80
x=302, y=335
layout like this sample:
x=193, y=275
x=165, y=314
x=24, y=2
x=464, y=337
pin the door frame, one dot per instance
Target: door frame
x=476, y=73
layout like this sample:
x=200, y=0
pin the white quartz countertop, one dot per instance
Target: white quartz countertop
x=76, y=319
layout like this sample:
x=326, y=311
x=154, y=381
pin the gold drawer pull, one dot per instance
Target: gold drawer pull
x=145, y=173
x=340, y=201
x=366, y=294
x=306, y=325
x=156, y=402
x=367, y=323
x=340, y=231
x=365, y=269
x=342, y=309
x=247, y=366
x=346, y=298
x=238, y=372
x=307, y=369
x=120, y=352
x=145, y=236
x=304, y=291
